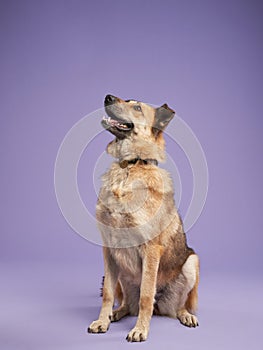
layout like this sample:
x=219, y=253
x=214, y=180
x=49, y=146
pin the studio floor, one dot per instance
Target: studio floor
x=49, y=306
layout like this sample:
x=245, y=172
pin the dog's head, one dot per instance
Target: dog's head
x=130, y=116
x=135, y=124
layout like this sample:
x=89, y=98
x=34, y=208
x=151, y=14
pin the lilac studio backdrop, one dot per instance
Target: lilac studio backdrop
x=58, y=61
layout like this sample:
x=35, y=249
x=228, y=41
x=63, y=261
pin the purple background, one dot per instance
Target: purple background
x=58, y=60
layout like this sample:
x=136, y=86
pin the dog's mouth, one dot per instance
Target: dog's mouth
x=121, y=125
x=117, y=126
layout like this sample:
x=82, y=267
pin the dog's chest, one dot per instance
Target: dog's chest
x=128, y=260
x=122, y=192
x=118, y=181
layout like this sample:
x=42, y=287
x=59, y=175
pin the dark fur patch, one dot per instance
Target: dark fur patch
x=163, y=116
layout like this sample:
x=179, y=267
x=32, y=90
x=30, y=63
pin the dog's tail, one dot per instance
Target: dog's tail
x=102, y=285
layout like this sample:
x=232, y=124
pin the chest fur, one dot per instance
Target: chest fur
x=128, y=261
x=129, y=189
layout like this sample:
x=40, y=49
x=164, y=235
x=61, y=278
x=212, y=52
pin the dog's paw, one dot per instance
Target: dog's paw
x=119, y=313
x=187, y=319
x=137, y=335
x=99, y=326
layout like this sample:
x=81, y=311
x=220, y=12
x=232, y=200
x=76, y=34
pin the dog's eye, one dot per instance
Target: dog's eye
x=137, y=108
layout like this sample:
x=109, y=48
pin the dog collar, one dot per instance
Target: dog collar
x=124, y=163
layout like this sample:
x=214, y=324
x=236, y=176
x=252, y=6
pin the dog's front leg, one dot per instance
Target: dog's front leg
x=150, y=266
x=111, y=275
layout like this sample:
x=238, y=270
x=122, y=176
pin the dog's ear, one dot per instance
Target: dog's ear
x=163, y=115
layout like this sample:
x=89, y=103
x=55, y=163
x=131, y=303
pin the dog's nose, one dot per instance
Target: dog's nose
x=109, y=99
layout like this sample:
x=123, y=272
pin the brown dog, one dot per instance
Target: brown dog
x=148, y=266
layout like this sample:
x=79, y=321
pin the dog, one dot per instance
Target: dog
x=149, y=268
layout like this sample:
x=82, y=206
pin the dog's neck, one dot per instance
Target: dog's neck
x=130, y=150
x=124, y=163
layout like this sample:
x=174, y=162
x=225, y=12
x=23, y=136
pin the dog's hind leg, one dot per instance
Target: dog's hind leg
x=129, y=304
x=120, y=312
x=123, y=308
x=191, y=271
x=178, y=299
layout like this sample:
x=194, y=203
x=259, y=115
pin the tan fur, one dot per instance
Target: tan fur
x=148, y=266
